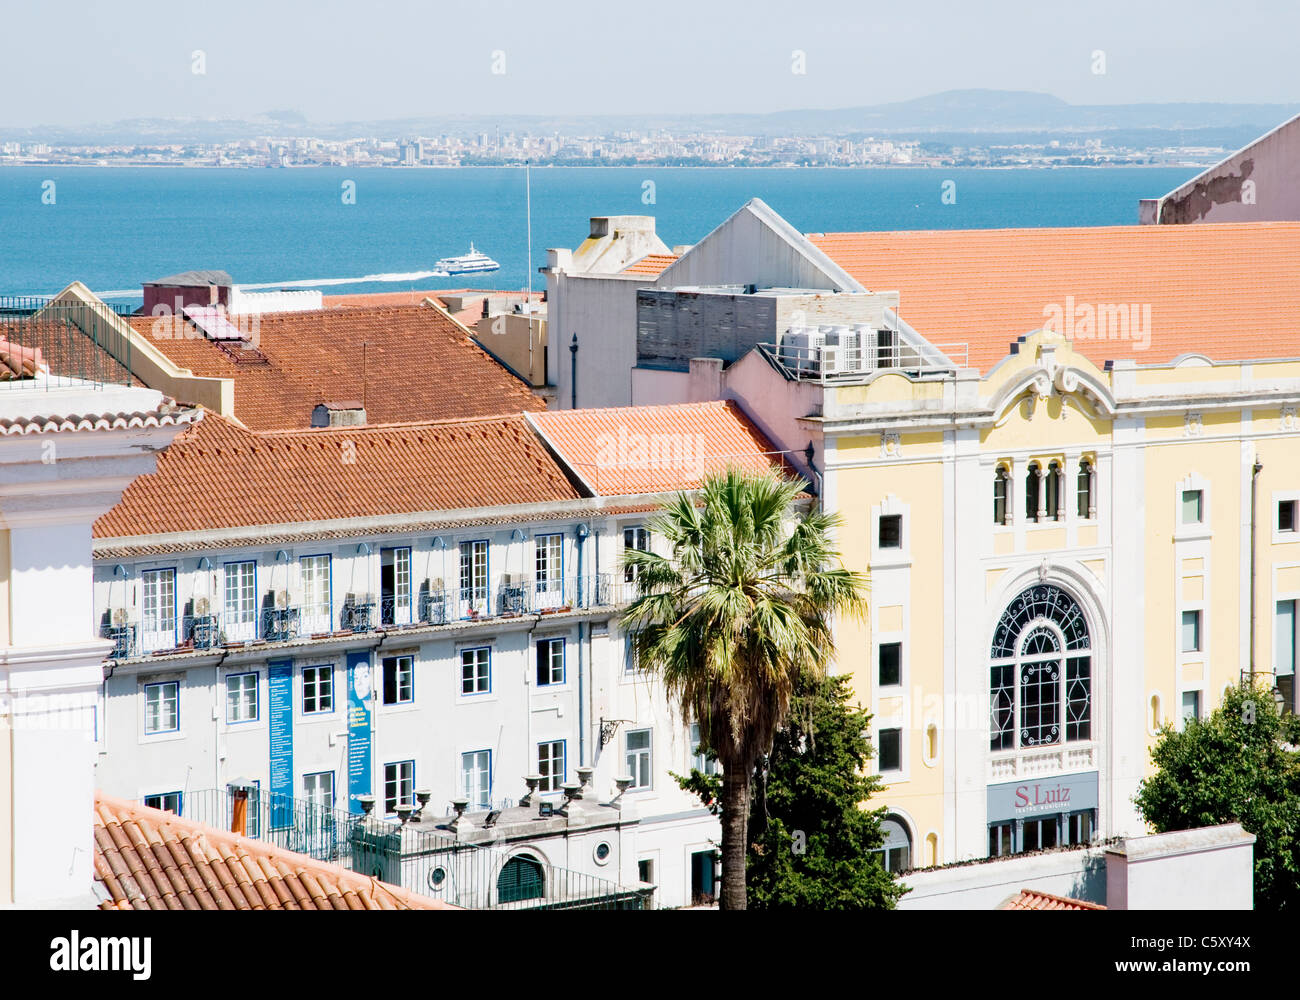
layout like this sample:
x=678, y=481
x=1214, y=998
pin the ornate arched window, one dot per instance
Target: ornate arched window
x=1002, y=496
x=1040, y=672
x=1053, y=488
x=1033, y=483
x=1086, y=505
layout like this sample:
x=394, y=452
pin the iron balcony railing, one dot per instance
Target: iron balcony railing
x=829, y=363
x=134, y=634
x=431, y=863
x=46, y=344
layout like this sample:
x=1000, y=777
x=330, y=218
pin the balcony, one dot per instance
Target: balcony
x=512, y=597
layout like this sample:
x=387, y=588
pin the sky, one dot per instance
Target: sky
x=88, y=62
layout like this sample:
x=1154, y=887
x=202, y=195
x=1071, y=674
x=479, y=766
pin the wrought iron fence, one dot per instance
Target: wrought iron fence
x=428, y=862
x=200, y=627
x=67, y=342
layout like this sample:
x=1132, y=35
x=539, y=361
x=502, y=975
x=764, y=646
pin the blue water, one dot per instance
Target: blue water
x=113, y=228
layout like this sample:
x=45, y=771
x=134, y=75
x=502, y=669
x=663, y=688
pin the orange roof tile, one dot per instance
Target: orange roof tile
x=405, y=298
x=220, y=474
x=147, y=859
x=652, y=264
x=1228, y=290
x=1032, y=899
x=418, y=365
x=654, y=449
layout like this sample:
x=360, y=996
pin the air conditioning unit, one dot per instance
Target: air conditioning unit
x=281, y=599
x=801, y=349
x=202, y=607
x=119, y=617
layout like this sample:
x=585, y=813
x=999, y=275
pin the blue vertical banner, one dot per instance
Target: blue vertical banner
x=280, y=696
x=360, y=688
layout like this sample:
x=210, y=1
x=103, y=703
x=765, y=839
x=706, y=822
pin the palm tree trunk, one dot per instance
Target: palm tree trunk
x=735, y=825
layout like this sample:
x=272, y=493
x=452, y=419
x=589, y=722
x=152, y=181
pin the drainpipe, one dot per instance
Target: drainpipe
x=1254, y=492
x=581, y=532
x=573, y=375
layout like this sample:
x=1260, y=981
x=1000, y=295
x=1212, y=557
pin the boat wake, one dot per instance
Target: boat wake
x=307, y=282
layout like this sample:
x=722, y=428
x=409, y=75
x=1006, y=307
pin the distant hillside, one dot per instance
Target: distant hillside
x=963, y=112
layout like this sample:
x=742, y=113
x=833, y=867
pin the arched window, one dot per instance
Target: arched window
x=1001, y=496
x=1040, y=672
x=521, y=878
x=1033, y=478
x=1053, y=487
x=1087, y=505
x=896, y=854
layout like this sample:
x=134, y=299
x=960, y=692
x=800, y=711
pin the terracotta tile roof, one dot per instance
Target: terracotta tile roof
x=98, y=421
x=222, y=475
x=360, y=299
x=633, y=450
x=419, y=365
x=651, y=264
x=147, y=859
x=60, y=348
x=1032, y=899
x=18, y=362
x=1228, y=290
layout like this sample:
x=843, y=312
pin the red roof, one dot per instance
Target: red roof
x=220, y=474
x=1032, y=899
x=652, y=264
x=633, y=450
x=409, y=362
x=1228, y=290
x=147, y=859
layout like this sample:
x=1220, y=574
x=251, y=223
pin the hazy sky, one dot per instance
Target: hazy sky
x=74, y=63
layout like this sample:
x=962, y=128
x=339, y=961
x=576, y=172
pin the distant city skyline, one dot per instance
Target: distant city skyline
x=338, y=62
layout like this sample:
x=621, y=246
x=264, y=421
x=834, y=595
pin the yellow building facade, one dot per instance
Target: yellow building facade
x=1059, y=559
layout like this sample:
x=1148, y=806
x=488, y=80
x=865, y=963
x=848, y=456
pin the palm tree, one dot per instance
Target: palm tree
x=729, y=618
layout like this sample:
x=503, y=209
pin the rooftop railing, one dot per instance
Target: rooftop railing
x=831, y=364
x=201, y=627
x=64, y=343
x=431, y=863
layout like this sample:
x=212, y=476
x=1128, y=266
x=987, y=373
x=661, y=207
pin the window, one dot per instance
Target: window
x=1284, y=650
x=476, y=778
x=399, y=785
x=699, y=759
x=1053, y=488
x=241, y=601
x=1191, y=506
x=890, y=664
x=241, y=698
x=1078, y=828
x=395, y=586
x=166, y=801
x=1085, y=508
x=703, y=877
x=399, y=680
x=521, y=878
x=896, y=852
x=1001, y=840
x=1001, y=496
x=548, y=568
x=162, y=707
x=317, y=690
x=1286, y=515
x=638, y=756
x=158, y=612
x=1040, y=683
x=550, y=662
x=891, y=750
x=474, y=577
x=550, y=765
x=631, y=658
x=475, y=670
x=645, y=871
x=1033, y=479
x=318, y=789
x=1039, y=834
x=634, y=538
x=890, y=531
x=317, y=616
x=1191, y=631
x=1191, y=706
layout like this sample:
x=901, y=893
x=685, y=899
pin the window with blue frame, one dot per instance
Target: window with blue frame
x=162, y=711
x=241, y=698
x=550, y=765
x=476, y=670
x=476, y=778
x=317, y=690
x=158, y=609
x=166, y=801
x=550, y=662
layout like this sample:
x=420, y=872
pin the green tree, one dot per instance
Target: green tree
x=811, y=845
x=1239, y=765
x=730, y=618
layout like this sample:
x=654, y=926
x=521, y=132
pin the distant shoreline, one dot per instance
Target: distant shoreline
x=628, y=166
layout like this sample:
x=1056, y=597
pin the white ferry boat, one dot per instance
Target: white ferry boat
x=473, y=262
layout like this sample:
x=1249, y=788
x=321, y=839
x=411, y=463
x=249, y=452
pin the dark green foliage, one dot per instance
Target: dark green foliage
x=1239, y=765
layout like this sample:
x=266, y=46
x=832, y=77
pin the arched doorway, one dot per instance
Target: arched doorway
x=522, y=877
